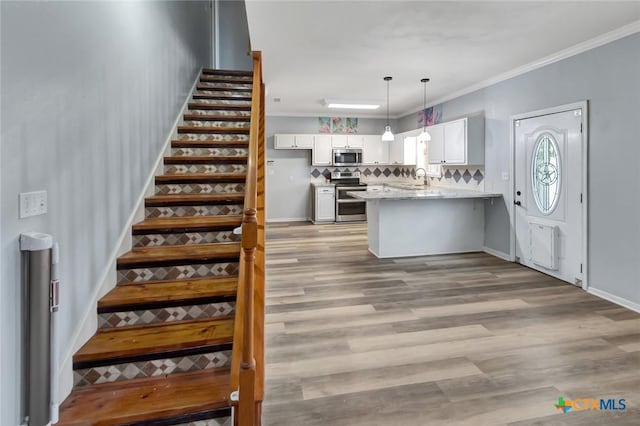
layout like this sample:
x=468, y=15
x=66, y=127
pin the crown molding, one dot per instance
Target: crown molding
x=584, y=46
x=330, y=114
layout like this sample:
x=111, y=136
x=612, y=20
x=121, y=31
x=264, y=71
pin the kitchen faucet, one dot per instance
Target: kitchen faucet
x=423, y=175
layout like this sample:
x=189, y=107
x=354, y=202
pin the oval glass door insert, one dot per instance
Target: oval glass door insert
x=545, y=174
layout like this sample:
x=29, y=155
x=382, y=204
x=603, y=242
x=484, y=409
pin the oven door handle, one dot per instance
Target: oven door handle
x=349, y=201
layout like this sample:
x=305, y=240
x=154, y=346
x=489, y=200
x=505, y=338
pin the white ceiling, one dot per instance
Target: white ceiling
x=341, y=49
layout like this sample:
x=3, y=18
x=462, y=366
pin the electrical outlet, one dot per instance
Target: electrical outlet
x=33, y=203
x=505, y=175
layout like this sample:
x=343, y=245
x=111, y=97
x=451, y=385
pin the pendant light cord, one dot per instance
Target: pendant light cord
x=387, y=102
x=424, y=107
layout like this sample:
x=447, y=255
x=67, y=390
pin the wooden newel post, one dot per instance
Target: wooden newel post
x=248, y=364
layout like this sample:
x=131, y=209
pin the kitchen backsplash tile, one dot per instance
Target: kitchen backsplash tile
x=372, y=174
x=471, y=178
x=460, y=177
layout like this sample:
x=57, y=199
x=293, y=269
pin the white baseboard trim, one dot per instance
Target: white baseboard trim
x=89, y=323
x=497, y=253
x=289, y=219
x=615, y=299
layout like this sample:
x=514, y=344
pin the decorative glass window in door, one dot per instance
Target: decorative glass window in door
x=545, y=173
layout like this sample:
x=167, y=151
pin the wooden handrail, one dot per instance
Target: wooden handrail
x=247, y=364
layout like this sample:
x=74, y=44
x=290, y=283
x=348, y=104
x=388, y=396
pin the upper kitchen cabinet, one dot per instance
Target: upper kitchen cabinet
x=355, y=141
x=339, y=141
x=458, y=142
x=402, y=150
x=374, y=151
x=322, y=149
x=286, y=141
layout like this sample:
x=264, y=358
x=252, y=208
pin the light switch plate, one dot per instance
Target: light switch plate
x=505, y=175
x=33, y=203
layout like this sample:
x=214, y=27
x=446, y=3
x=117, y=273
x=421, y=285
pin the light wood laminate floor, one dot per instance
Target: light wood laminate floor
x=464, y=339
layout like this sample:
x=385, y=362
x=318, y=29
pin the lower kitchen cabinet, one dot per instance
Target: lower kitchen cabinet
x=324, y=204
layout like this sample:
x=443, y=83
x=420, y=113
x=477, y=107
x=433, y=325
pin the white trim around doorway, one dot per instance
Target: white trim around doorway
x=584, y=105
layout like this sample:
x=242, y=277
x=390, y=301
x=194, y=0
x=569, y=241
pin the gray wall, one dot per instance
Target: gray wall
x=90, y=91
x=288, y=173
x=608, y=78
x=233, y=36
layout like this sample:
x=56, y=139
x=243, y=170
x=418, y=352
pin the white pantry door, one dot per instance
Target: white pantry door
x=548, y=194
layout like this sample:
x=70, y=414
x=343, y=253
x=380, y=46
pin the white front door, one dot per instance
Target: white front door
x=548, y=194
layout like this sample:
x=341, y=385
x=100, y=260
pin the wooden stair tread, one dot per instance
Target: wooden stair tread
x=187, y=159
x=215, y=117
x=188, y=222
x=238, y=97
x=169, y=291
x=189, y=199
x=208, y=144
x=147, y=399
x=127, y=342
x=242, y=87
x=210, y=129
x=200, y=177
x=212, y=71
x=225, y=79
x=141, y=255
x=201, y=105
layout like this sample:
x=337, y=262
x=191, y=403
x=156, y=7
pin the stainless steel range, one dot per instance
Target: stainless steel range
x=349, y=209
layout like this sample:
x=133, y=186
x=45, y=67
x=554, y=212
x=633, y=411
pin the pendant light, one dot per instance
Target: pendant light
x=424, y=136
x=387, y=136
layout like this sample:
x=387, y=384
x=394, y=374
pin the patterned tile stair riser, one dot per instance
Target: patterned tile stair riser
x=214, y=124
x=222, y=102
x=208, y=113
x=172, y=239
x=212, y=137
x=195, y=210
x=222, y=421
x=211, y=152
x=151, y=368
x=165, y=273
x=198, y=188
x=166, y=314
x=205, y=168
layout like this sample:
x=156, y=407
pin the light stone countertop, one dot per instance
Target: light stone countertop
x=321, y=184
x=421, y=194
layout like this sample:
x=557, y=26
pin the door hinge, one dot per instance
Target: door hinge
x=580, y=127
x=581, y=268
x=580, y=198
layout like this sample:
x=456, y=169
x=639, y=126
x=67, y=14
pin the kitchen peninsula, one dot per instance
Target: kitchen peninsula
x=410, y=222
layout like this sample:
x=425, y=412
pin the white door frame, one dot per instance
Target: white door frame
x=584, y=105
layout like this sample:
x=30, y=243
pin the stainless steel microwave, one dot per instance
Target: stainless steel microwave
x=347, y=157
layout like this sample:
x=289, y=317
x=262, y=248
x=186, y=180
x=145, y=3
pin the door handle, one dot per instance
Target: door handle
x=517, y=203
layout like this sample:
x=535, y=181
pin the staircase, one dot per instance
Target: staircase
x=162, y=354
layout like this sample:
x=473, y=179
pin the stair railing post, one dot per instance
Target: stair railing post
x=248, y=365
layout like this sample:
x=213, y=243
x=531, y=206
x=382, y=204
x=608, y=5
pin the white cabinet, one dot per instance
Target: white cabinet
x=322, y=151
x=324, y=207
x=286, y=141
x=458, y=142
x=403, y=149
x=339, y=141
x=374, y=151
x=355, y=141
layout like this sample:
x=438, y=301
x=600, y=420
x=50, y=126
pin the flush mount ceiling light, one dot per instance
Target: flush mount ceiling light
x=424, y=136
x=351, y=104
x=387, y=136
